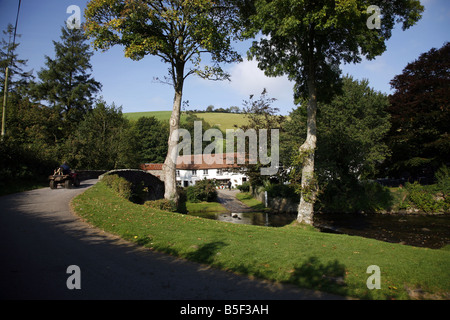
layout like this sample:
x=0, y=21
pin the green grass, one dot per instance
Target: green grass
x=159, y=115
x=291, y=254
x=222, y=120
x=247, y=199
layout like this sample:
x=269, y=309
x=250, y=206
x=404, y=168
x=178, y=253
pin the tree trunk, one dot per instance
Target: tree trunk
x=309, y=184
x=169, y=167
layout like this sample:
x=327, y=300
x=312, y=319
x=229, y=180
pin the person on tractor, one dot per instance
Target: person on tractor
x=65, y=168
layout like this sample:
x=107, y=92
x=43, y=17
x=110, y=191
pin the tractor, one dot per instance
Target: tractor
x=67, y=180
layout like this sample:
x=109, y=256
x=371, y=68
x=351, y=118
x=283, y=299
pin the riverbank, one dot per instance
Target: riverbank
x=410, y=227
x=371, y=198
x=299, y=255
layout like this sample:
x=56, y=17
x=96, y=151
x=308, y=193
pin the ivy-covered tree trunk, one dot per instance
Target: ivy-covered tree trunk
x=169, y=168
x=307, y=150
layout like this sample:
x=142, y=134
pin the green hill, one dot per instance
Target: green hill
x=222, y=120
x=160, y=115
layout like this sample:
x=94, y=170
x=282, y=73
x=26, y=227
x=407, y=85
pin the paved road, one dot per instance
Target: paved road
x=40, y=238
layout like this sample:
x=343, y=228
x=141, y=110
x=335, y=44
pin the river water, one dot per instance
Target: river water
x=430, y=231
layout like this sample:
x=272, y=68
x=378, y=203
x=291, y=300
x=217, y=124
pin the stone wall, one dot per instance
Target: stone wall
x=276, y=204
x=154, y=185
x=157, y=173
x=283, y=205
x=89, y=174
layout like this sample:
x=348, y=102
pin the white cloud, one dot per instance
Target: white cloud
x=378, y=65
x=247, y=79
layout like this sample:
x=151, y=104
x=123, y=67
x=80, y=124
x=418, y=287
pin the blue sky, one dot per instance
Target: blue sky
x=130, y=84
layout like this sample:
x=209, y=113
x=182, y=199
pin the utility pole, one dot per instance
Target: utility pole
x=5, y=100
x=5, y=90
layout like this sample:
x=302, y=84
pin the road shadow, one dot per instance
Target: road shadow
x=313, y=274
x=206, y=253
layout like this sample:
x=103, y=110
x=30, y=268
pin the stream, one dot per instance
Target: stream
x=430, y=231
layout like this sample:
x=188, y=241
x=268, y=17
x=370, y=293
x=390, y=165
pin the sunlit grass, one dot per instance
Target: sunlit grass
x=247, y=199
x=293, y=254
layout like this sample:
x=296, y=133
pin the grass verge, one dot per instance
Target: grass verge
x=292, y=254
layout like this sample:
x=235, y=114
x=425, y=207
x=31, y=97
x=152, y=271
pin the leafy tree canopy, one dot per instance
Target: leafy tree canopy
x=351, y=129
x=419, y=137
x=66, y=84
x=303, y=36
x=176, y=31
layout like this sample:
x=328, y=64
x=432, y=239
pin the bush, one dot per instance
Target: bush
x=423, y=197
x=162, y=204
x=121, y=186
x=443, y=181
x=286, y=191
x=245, y=187
x=192, y=194
x=203, y=190
x=376, y=197
x=354, y=196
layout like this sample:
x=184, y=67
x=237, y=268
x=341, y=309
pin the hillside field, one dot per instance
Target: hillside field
x=222, y=120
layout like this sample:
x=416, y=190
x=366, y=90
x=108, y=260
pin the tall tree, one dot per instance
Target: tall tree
x=66, y=83
x=307, y=40
x=261, y=115
x=152, y=136
x=17, y=79
x=419, y=138
x=350, y=142
x=8, y=57
x=103, y=140
x=177, y=31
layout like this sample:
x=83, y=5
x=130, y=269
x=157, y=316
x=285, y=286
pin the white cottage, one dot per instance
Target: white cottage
x=198, y=167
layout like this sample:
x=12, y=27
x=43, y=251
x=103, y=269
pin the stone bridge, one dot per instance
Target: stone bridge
x=140, y=177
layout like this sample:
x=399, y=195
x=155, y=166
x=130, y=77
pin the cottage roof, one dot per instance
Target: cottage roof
x=207, y=161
